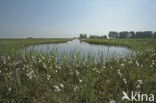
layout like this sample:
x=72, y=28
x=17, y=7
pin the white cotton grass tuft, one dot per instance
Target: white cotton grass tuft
x=80, y=80
x=140, y=81
x=137, y=63
x=75, y=88
x=77, y=73
x=9, y=89
x=61, y=85
x=119, y=72
x=57, y=89
x=123, y=65
x=48, y=77
x=112, y=101
x=31, y=74
x=125, y=81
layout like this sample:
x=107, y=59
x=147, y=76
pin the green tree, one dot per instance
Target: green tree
x=145, y=34
x=104, y=36
x=154, y=35
x=131, y=34
x=139, y=34
x=124, y=34
x=148, y=34
x=113, y=34
x=83, y=36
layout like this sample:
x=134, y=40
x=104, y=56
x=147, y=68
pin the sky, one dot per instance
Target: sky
x=69, y=18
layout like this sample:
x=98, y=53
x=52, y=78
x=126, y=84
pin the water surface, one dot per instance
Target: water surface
x=83, y=49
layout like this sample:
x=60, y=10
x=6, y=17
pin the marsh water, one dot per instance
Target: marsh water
x=83, y=49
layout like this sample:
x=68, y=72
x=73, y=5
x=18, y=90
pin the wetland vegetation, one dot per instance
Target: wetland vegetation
x=42, y=77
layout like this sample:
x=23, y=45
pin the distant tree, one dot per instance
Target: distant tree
x=93, y=36
x=139, y=34
x=83, y=36
x=104, y=36
x=113, y=34
x=145, y=34
x=148, y=34
x=154, y=35
x=96, y=36
x=124, y=34
x=131, y=34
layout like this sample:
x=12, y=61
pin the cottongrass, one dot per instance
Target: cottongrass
x=44, y=78
x=9, y=89
x=61, y=85
x=125, y=81
x=112, y=101
x=31, y=74
x=80, y=80
x=57, y=89
x=48, y=77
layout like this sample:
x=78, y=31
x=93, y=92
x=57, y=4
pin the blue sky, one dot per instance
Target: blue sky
x=68, y=18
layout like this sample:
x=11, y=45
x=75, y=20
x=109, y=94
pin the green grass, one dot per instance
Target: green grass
x=14, y=45
x=40, y=78
x=137, y=44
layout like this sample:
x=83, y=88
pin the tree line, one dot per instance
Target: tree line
x=123, y=34
x=84, y=36
x=132, y=34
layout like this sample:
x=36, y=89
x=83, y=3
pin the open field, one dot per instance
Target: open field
x=41, y=78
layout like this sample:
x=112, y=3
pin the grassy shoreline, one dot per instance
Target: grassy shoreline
x=28, y=42
x=25, y=77
x=136, y=44
x=18, y=44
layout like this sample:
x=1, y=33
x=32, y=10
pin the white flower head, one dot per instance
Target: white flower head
x=31, y=74
x=44, y=65
x=61, y=85
x=104, y=67
x=75, y=88
x=9, y=89
x=119, y=72
x=140, y=82
x=137, y=63
x=57, y=89
x=56, y=70
x=125, y=81
x=80, y=80
x=48, y=77
x=77, y=73
x=112, y=101
x=123, y=65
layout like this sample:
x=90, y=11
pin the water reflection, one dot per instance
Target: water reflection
x=83, y=49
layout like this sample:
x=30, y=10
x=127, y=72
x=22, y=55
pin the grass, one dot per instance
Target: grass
x=136, y=44
x=14, y=45
x=26, y=77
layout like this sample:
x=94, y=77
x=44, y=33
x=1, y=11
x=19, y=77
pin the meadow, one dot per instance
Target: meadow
x=42, y=78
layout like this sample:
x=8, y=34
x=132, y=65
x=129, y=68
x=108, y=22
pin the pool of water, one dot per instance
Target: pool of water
x=82, y=48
